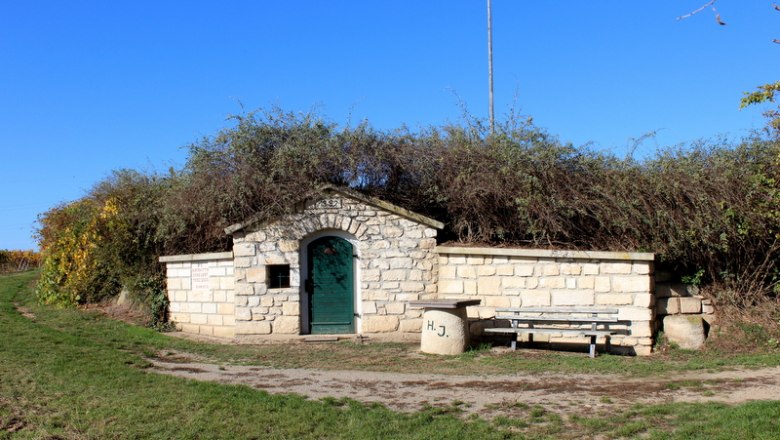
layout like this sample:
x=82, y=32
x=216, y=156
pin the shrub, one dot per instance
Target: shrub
x=711, y=209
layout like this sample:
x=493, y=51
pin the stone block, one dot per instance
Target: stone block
x=642, y=268
x=475, y=260
x=643, y=350
x=369, y=307
x=708, y=309
x=641, y=329
x=209, y=308
x=571, y=269
x=532, y=298
x=286, y=325
x=513, y=282
x=505, y=269
x=401, y=263
x=220, y=296
x=486, y=271
x=395, y=308
x=489, y=286
x=586, y=282
x=190, y=328
x=180, y=296
x=690, y=305
x=242, y=262
x=245, y=289
x=380, y=324
x=224, y=332
x=602, y=284
x=191, y=307
x=467, y=272
x=226, y=283
x=447, y=272
x=631, y=284
x=617, y=299
x=635, y=314
x=215, y=320
x=291, y=308
x=243, y=314
x=410, y=325
x=427, y=243
x=199, y=318
x=244, y=249
x=550, y=270
x=288, y=245
x=394, y=275
x=200, y=296
x=668, y=306
x=497, y=301
x=569, y=298
x=616, y=268
x=552, y=283
x=524, y=270
x=687, y=331
x=412, y=286
x=253, y=328
x=207, y=330
x=590, y=269
x=469, y=287
x=226, y=309
x=456, y=260
x=644, y=300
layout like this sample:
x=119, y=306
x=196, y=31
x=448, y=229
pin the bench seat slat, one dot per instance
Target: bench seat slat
x=574, y=310
x=548, y=331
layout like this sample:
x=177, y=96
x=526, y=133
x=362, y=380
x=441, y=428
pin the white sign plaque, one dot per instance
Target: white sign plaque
x=200, y=278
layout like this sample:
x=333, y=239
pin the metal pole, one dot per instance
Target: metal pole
x=490, y=65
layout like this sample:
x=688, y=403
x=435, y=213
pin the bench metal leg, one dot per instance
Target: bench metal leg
x=592, y=353
x=514, y=341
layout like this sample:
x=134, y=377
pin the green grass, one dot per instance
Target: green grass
x=73, y=374
x=76, y=375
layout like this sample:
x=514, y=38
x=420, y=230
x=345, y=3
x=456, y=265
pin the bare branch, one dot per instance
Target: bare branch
x=710, y=3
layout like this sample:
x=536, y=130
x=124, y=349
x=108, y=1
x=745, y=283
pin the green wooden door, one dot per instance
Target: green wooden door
x=332, y=300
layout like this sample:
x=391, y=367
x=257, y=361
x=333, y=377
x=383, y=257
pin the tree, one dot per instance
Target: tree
x=764, y=93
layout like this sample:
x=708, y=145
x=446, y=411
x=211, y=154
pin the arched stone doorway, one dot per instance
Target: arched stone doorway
x=329, y=286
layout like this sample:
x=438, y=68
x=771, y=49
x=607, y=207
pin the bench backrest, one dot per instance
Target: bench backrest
x=570, y=310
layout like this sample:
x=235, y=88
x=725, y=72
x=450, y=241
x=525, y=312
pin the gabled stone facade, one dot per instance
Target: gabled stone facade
x=395, y=262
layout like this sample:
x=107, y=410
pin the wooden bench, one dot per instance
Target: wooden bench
x=569, y=321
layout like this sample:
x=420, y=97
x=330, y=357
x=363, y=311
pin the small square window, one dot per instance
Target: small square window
x=278, y=276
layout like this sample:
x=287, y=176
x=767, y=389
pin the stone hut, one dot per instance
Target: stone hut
x=344, y=263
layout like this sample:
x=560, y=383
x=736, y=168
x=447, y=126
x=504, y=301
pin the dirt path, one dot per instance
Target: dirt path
x=490, y=395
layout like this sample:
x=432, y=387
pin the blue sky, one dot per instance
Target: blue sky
x=87, y=87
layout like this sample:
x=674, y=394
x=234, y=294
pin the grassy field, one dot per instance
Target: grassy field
x=72, y=374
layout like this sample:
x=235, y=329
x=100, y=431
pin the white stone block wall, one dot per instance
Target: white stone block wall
x=396, y=262
x=524, y=278
x=201, y=293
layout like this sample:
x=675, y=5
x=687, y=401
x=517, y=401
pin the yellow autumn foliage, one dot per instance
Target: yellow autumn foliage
x=71, y=240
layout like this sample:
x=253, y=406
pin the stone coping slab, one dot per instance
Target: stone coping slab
x=546, y=253
x=196, y=257
x=445, y=303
